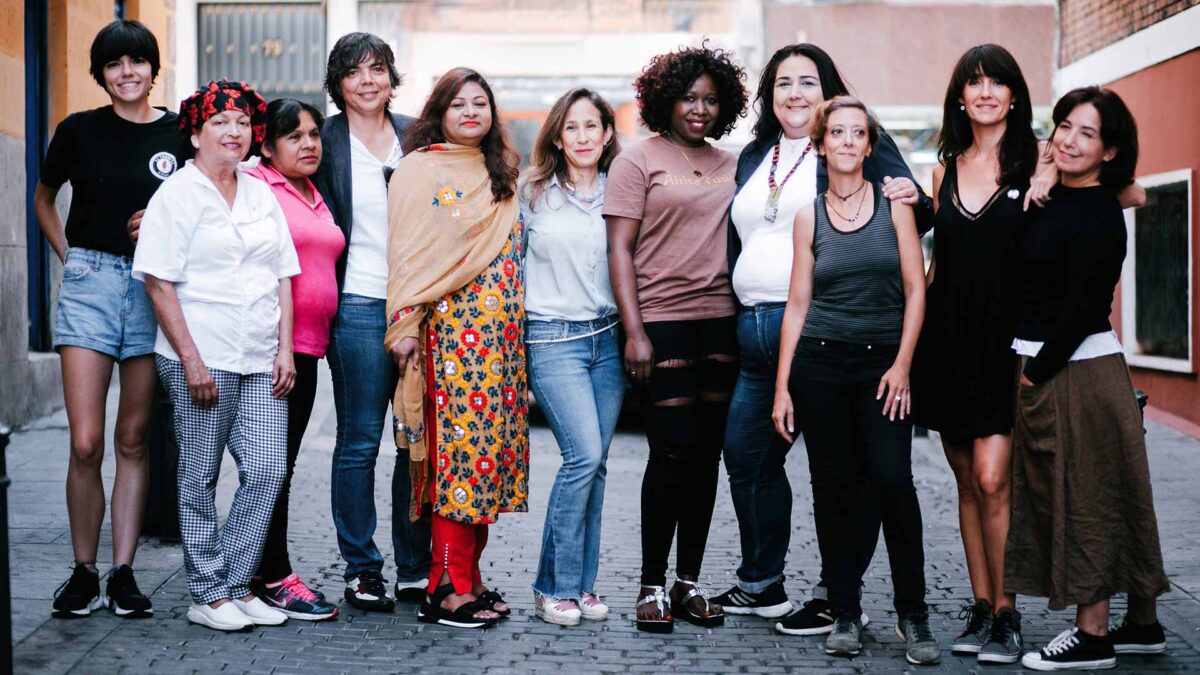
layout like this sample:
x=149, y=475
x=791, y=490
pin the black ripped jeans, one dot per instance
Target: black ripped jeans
x=685, y=405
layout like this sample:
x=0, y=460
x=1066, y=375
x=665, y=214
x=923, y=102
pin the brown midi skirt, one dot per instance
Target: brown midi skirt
x=1083, y=526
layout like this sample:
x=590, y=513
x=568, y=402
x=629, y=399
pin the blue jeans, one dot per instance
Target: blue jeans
x=579, y=384
x=364, y=379
x=755, y=454
x=102, y=308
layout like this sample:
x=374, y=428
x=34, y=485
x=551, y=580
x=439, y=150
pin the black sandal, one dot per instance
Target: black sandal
x=491, y=599
x=431, y=611
x=681, y=609
x=663, y=624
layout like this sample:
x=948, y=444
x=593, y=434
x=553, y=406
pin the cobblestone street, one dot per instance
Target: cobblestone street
x=358, y=642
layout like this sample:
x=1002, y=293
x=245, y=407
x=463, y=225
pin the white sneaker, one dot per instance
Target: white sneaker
x=227, y=617
x=592, y=607
x=260, y=612
x=556, y=610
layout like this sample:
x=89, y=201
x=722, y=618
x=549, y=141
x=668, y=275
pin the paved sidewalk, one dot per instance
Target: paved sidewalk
x=393, y=643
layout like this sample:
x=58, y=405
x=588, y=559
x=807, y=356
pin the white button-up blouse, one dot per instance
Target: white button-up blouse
x=226, y=265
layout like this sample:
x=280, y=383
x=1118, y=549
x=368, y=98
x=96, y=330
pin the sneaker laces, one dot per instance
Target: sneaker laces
x=974, y=616
x=920, y=629
x=1062, y=643
x=295, y=586
x=372, y=583
x=590, y=599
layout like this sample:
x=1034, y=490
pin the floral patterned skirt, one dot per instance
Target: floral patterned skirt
x=478, y=411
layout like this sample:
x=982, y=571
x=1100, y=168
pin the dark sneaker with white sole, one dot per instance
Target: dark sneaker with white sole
x=295, y=599
x=79, y=595
x=123, y=597
x=814, y=618
x=771, y=603
x=979, y=625
x=1073, y=650
x=1004, y=643
x=368, y=591
x=411, y=591
x=1135, y=638
x=921, y=649
x=845, y=637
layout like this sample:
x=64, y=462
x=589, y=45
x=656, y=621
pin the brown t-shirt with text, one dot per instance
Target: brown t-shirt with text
x=682, y=272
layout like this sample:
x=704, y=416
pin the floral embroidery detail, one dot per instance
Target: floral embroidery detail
x=510, y=396
x=461, y=494
x=508, y=457
x=469, y=338
x=452, y=367
x=485, y=465
x=510, y=332
x=442, y=307
x=460, y=434
x=447, y=196
x=477, y=400
x=491, y=302
x=440, y=399
x=443, y=462
x=510, y=268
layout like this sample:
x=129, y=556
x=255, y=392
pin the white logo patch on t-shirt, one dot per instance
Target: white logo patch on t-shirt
x=163, y=164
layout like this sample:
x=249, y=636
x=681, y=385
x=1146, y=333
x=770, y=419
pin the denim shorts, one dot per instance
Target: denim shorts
x=101, y=307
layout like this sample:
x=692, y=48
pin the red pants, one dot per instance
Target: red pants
x=456, y=548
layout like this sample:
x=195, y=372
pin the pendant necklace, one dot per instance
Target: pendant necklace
x=695, y=171
x=776, y=189
x=857, y=212
x=848, y=195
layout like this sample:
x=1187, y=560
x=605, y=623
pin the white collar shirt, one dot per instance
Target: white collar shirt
x=226, y=264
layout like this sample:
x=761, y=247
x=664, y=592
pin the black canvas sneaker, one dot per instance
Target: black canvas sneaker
x=122, y=596
x=368, y=591
x=814, y=618
x=771, y=603
x=979, y=625
x=1134, y=638
x=1004, y=644
x=78, y=596
x=1073, y=649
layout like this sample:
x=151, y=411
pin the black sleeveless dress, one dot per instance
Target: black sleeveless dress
x=963, y=374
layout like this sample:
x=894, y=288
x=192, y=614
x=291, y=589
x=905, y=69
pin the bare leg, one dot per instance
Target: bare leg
x=1093, y=619
x=992, y=466
x=129, y=489
x=961, y=459
x=86, y=376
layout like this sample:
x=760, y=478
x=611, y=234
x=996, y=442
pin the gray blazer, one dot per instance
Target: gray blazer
x=333, y=177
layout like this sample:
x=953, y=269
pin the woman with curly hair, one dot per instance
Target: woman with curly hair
x=665, y=207
x=456, y=332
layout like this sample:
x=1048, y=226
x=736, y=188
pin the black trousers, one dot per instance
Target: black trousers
x=850, y=442
x=679, y=487
x=276, y=563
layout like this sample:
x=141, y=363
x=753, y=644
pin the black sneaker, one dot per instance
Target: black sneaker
x=368, y=591
x=1004, y=644
x=772, y=603
x=79, y=595
x=1073, y=649
x=979, y=624
x=1134, y=638
x=123, y=597
x=411, y=591
x=920, y=647
x=814, y=618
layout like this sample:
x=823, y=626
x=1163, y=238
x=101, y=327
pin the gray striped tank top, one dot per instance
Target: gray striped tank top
x=858, y=294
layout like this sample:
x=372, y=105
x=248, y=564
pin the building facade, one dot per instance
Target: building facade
x=1149, y=53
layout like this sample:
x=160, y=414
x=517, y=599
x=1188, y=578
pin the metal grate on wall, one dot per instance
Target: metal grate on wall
x=278, y=48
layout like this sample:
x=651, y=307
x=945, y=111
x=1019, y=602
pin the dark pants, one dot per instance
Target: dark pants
x=679, y=487
x=833, y=387
x=276, y=563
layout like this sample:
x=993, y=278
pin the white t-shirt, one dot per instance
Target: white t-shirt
x=764, y=268
x=366, y=258
x=1093, y=346
x=226, y=265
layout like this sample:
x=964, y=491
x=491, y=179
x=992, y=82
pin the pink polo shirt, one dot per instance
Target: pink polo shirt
x=319, y=242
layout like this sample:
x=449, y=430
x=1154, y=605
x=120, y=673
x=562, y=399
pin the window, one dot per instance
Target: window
x=1156, y=284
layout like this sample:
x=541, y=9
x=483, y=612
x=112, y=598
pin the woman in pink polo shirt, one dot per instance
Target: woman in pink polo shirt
x=291, y=153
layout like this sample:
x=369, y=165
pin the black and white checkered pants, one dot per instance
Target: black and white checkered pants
x=254, y=425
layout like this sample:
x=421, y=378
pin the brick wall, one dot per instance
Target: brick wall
x=1089, y=25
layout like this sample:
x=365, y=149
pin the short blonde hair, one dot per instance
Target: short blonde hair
x=821, y=119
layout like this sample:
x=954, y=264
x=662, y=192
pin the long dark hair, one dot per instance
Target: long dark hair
x=767, y=127
x=498, y=154
x=547, y=159
x=1118, y=131
x=1018, y=147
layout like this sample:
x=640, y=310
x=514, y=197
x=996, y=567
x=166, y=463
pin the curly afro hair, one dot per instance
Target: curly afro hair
x=668, y=77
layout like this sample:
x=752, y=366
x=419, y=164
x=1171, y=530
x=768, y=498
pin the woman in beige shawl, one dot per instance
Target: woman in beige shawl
x=455, y=327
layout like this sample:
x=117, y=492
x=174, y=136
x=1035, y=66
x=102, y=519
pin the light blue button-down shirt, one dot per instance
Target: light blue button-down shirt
x=566, y=260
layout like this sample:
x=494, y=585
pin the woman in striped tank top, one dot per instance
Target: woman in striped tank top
x=853, y=314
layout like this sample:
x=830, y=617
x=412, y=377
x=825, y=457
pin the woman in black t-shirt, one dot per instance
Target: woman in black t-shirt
x=115, y=157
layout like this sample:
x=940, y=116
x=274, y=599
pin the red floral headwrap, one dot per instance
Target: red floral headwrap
x=217, y=97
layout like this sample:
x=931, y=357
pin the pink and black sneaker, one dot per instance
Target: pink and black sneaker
x=292, y=597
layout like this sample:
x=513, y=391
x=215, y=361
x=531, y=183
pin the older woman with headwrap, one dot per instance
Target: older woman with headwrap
x=216, y=256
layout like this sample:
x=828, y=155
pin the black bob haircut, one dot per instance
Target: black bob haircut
x=1019, y=145
x=123, y=38
x=767, y=128
x=1118, y=131
x=668, y=77
x=351, y=50
x=283, y=117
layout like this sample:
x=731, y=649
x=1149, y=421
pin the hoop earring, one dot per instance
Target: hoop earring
x=962, y=107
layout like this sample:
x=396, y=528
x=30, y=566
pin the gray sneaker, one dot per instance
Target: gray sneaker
x=846, y=638
x=1004, y=643
x=979, y=625
x=922, y=649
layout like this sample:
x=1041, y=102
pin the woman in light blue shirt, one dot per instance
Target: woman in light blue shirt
x=574, y=361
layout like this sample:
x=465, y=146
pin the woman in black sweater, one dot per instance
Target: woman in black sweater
x=1083, y=524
